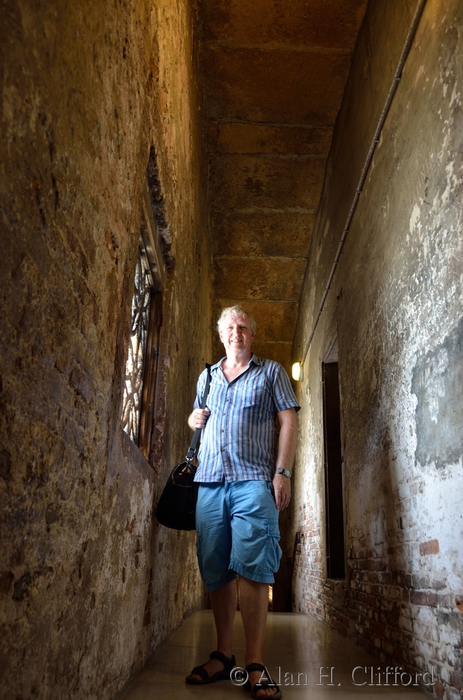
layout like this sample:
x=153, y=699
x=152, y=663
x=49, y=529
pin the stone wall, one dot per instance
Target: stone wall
x=395, y=309
x=88, y=586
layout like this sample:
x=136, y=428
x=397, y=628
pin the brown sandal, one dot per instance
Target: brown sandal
x=228, y=665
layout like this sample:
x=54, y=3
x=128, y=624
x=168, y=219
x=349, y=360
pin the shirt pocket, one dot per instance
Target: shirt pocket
x=256, y=393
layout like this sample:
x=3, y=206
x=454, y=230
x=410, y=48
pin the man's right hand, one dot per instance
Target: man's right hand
x=198, y=418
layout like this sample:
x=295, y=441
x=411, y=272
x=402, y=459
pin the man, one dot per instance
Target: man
x=241, y=489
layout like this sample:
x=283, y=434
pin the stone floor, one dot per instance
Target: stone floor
x=306, y=658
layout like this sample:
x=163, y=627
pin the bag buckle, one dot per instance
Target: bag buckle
x=190, y=455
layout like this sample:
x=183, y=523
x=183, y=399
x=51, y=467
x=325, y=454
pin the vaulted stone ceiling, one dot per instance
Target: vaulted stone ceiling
x=273, y=74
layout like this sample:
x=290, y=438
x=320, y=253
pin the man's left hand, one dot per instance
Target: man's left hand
x=282, y=490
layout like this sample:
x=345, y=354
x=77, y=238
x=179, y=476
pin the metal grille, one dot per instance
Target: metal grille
x=134, y=369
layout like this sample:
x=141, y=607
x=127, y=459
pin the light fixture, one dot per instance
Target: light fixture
x=296, y=371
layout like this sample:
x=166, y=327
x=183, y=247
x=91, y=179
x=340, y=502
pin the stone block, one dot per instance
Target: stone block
x=243, y=182
x=274, y=85
x=260, y=278
x=313, y=24
x=262, y=233
x=248, y=138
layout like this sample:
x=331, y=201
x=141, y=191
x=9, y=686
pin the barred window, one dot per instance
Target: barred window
x=136, y=369
x=131, y=402
x=143, y=344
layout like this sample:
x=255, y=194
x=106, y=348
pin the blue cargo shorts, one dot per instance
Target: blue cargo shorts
x=237, y=532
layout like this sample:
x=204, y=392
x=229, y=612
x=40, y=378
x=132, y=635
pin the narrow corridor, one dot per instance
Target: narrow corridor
x=161, y=160
x=307, y=658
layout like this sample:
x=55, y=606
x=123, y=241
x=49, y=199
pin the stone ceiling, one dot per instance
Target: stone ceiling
x=273, y=74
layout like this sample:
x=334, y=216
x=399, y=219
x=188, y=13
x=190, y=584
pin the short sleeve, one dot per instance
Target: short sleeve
x=283, y=392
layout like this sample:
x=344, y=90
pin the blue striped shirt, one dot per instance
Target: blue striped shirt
x=238, y=441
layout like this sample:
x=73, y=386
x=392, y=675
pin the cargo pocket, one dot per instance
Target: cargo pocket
x=273, y=549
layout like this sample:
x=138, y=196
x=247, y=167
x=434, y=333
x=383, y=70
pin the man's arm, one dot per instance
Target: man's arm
x=287, y=443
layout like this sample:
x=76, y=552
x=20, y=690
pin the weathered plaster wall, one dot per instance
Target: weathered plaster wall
x=87, y=586
x=395, y=307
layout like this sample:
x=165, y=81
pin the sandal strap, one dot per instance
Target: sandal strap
x=200, y=671
x=264, y=685
x=256, y=667
x=228, y=664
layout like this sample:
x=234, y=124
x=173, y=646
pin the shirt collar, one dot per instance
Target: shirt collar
x=253, y=361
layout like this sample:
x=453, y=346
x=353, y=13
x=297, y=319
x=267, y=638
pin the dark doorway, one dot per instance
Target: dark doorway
x=334, y=506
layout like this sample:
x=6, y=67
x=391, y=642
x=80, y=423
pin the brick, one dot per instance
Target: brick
x=430, y=547
x=379, y=629
x=439, y=585
x=423, y=598
x=452, y=694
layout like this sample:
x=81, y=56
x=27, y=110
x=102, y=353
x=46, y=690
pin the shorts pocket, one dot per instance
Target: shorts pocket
x=273, y=549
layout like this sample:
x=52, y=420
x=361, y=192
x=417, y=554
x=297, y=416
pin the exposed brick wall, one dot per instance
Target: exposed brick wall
x=309, y=566
x=398, y=617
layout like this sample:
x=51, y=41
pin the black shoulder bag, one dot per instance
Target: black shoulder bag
x=176, y=507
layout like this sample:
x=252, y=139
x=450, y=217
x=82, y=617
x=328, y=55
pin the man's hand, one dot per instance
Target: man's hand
x=282, y=490
x=198, y=418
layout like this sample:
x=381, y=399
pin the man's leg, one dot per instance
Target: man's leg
x=254, y=607
x=224, y=607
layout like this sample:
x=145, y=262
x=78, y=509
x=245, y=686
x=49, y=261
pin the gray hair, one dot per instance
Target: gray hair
x=238, y=311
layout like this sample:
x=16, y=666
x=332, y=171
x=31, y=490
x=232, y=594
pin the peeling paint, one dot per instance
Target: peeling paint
x=438, y=385
x=414, y=218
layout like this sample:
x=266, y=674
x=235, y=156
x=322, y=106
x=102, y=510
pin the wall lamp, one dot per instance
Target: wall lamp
x=296, y=371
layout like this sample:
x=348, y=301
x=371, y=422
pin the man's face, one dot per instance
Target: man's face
x=235, y=333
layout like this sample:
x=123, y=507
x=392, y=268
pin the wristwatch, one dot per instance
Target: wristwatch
x=285, y=472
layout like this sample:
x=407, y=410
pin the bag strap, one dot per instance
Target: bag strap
x=194, y=442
